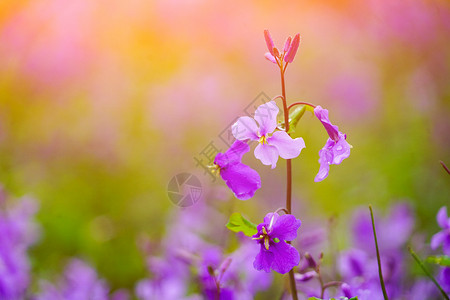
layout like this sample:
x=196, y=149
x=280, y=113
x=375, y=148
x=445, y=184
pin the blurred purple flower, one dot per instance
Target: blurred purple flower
x=336, y=148
x=443, y=236
x=444, y=279
x=80, y=281
x=17, y=234
x=275, y=253
x=270, y=147
x=240, y=178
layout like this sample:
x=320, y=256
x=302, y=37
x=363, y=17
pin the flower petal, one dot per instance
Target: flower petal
x=287, y=147
x=233, y=155
x=242, y=180
x=438, y=239
x=442, y=217
x=325, y=159
x=341, y=150
x=285, y=228
x=285, y=257
x=266, y=116
x=267, y=154
x=245, y=128
x=322, y=115
x=263, y=260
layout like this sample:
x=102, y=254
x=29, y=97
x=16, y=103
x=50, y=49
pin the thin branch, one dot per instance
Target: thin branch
x=380, y=273
x=419, y=262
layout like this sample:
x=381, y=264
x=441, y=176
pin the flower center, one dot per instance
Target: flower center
x=264, y=236
x=215, y=169
x=263, y=140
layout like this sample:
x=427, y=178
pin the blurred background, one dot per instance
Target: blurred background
x=102, y=102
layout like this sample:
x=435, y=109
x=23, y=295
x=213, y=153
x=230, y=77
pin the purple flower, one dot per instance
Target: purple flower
x=240, y=178
x=275, y=253
x=443, y=236
x=270, y=146
x=80, y=282
x=17, y=233
x=336, y=148
x=444, y=279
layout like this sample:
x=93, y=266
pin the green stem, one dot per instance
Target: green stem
x=380, y=273
x=419, y=262
x=288, y=175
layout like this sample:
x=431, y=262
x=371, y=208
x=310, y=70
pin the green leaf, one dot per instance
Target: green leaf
x=443, y=260
x=238, y=223
x=295, y=116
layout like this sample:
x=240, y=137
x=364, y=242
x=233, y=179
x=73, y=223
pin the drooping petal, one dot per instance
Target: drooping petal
x=266, y=116
x=242, y=180
x=269, y=41
x=438, y=239
x=270, y=57
x=285, y=257
x=233, y=155
x=289, y=57
x=267, y=154
x=285, y=228
x=245, y=128
x=325, y=159
x=264, y=259
x=341, y=150
x=322, y=115
x=442, y=217
x=287, y=147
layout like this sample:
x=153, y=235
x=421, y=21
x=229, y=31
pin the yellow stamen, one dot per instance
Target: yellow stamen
x=263, y=140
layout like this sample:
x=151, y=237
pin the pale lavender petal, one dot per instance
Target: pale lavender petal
x=264, y=259
x=233, y=155
x=325, y=159
x=322, y=115
x=245, y=128
x=438, y=239
x=285, y=257
x=267, y=154
x=242, y=180
x=285, y=228
x=266, y=116
x=341, y=150
x=270, y=57
x=442, y=217
x=287, y=147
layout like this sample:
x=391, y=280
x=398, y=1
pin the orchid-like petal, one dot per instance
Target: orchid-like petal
x=285, y=257
x=245, y=128
x=267, y=154
x=325, y=159
x=242, y=180
x=263, y=260
x=232, y=155
x=287, y=147
x=322, y=115
x=285, y=227
x=442, y=218
x=266, y=116
x=438, y=239
x=341, y=150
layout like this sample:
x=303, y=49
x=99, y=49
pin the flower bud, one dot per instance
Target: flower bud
x=269, y=41
x=289, y=57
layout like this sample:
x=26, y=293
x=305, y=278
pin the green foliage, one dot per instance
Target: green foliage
x=443, y=260
x=294, y=116
x=238, y=223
